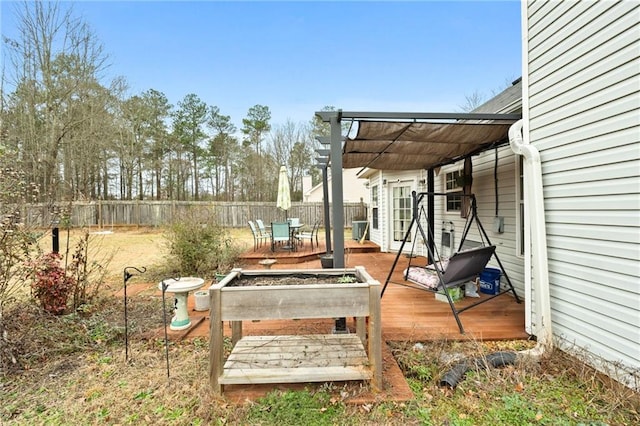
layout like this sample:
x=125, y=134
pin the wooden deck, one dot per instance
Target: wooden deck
x=407, y=314
x=304, y=253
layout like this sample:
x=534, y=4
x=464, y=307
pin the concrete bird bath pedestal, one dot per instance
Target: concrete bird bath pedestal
x=181, y=287
x=267, y=263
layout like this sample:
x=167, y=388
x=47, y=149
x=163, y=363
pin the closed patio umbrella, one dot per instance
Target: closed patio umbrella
x=284, y=193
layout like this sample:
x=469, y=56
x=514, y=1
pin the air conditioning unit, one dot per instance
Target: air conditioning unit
x=358, y=230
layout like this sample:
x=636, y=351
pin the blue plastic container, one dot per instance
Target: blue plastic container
x=490, y=281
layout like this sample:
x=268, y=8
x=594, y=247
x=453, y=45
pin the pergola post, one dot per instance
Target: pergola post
x=336, y=191
x=323, y=161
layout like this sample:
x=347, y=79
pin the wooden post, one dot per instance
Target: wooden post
x=137, y=213
x=100, y=214
x=216, y=340
x=361, y=329
x=375, y=335
x=236, y=332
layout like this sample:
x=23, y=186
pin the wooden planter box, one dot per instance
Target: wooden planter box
x=302, y=358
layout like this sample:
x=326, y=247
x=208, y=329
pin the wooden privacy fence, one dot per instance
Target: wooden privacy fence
x=104, y=214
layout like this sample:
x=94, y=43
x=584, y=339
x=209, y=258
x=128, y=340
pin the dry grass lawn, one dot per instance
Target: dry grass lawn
x=121, y=247
x=72, y=370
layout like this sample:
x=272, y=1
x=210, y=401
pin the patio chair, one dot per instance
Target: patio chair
x=311, y=235
x=263, y=230
x=280, y=233
x=257, y=237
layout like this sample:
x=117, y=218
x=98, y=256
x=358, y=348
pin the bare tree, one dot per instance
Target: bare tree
x=477, y=98
x=292, y=147
x=56, y=62
x=472, y=101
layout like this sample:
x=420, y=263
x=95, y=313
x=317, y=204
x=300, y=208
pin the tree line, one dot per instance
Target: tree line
x=78, y=136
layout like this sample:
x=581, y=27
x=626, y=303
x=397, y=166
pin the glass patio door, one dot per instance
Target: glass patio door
x=400, y=215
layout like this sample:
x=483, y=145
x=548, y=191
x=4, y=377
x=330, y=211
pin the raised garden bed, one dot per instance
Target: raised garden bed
x=294, y=294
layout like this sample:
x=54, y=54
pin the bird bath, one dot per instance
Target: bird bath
x=181, y=287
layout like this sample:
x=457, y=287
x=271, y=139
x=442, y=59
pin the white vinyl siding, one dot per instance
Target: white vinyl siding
x=584, y=117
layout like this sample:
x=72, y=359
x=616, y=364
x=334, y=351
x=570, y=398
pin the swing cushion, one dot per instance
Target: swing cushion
x=423, y=277
x=463, y=266
x=442, y=265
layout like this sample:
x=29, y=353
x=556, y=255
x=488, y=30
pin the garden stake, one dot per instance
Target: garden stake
x=164, y=317
x=126, y=276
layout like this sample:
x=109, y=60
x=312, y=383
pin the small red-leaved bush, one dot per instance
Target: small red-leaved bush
x=50, y=284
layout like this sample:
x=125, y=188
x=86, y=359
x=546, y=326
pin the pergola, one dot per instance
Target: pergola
x=401, y=141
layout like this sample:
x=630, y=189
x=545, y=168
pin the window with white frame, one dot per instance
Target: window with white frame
x=374, y=206
x=452, y=184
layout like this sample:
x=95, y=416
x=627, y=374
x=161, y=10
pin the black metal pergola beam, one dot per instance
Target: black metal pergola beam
x=415, y=116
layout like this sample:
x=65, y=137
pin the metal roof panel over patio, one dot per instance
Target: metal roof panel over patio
x=405, y=141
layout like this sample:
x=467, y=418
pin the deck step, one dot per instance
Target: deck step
x=305, y=254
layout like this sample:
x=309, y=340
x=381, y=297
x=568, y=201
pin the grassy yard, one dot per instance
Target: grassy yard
x=73, y=371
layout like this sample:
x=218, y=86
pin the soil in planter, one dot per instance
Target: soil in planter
x=292, y=279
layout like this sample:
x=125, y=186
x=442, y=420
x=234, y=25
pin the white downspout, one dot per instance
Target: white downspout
x=534, y=209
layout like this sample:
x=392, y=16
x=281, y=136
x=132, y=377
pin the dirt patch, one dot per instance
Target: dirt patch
x=291, y=279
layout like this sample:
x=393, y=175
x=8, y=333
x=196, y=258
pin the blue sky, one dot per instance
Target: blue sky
x=296, y=57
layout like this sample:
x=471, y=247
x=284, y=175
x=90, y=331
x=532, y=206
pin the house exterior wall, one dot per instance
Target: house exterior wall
x=582, y=112
x=384, y=181
x=484, y=188
x=377, y=234
x=353, y=189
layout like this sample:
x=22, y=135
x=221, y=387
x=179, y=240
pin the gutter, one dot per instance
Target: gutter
x=534, y=208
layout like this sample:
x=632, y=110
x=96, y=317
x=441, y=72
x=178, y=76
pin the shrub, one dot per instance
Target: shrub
x=17, y=241
x=50, y=284
x=197, y=245
x=88, y=275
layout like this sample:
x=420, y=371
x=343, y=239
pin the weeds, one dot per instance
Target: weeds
x=556, y=391
x=73, y=371
x=87, y=266
x=347, y=279
x=292, y=407
x=92, y=383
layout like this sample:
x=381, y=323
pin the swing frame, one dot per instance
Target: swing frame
x=467, y=263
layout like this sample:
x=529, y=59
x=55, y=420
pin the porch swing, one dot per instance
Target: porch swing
x=463, y=266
